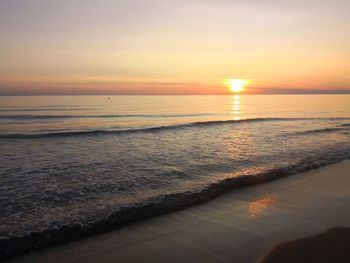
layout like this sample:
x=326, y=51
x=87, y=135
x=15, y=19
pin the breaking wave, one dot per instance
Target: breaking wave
x=137, y=130
x=15, y=245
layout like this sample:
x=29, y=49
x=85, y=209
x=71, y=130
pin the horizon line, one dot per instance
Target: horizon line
x=232, y=94
x=92, y=92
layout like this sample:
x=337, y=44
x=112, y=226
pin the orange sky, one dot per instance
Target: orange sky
x=173, y=47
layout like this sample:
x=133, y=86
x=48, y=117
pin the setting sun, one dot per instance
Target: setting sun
x=237, y=85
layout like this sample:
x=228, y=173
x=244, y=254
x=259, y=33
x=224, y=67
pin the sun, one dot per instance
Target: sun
x=236, y=85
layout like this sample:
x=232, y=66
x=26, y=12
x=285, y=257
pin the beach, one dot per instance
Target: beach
x=330, y=246
x=174, y=131
x=241, y=226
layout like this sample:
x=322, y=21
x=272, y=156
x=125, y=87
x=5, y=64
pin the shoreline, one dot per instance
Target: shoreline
x=16, y=246
x=230, y=200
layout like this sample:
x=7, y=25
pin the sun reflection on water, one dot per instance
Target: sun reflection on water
x=258, y=207
x=236, y=107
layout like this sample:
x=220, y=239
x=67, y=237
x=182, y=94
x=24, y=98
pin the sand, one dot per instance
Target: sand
x=330, y=246
x=241, y=226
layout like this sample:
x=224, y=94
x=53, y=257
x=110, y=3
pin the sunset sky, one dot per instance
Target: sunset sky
x=173, y=46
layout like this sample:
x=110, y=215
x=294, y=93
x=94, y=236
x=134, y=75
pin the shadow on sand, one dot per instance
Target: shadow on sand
x=330, y=246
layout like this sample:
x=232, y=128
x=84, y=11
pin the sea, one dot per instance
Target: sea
x=72, y=166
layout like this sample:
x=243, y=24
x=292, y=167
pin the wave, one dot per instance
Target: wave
x=134, y=130
x=324, y=130
x=16, y=245
x=71, y=133
x=344, y=125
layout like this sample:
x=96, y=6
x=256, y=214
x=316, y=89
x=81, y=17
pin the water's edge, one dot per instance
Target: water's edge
x=14, y=246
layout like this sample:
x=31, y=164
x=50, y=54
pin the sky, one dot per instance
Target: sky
x=173, y=47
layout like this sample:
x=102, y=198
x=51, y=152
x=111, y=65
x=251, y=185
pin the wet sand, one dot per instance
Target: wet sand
x=241, y=226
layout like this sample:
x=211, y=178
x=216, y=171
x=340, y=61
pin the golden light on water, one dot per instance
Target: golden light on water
x=236, y=85
x=236, y=107
x=257, y=208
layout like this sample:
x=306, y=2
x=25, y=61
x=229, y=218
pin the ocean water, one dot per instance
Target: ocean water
x=80, y=162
